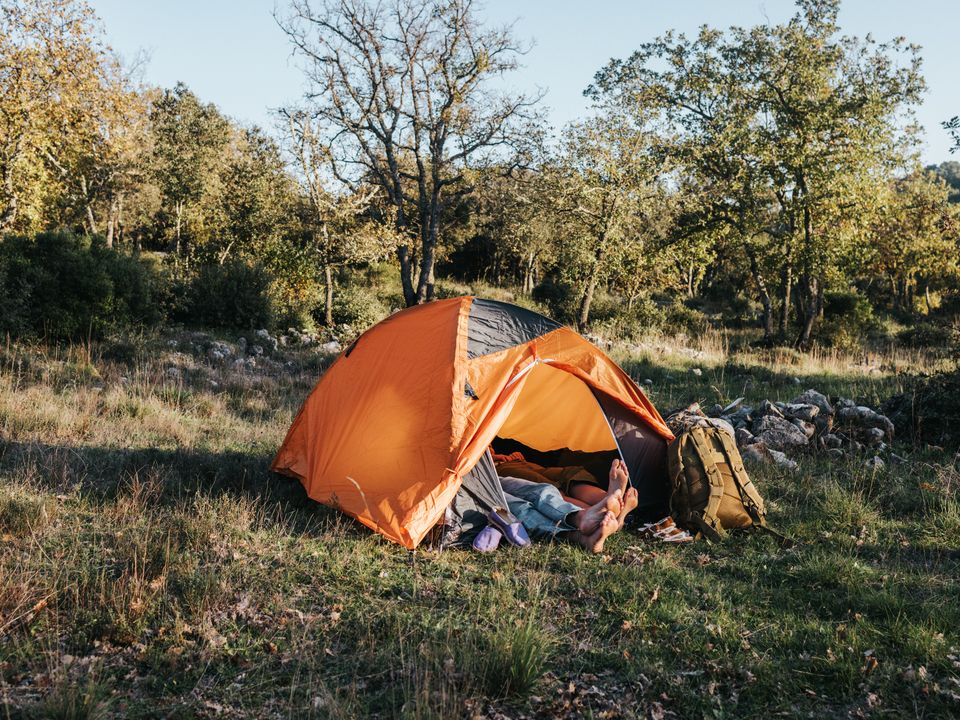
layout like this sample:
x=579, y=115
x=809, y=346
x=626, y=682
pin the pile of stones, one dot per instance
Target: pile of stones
x=772, y=432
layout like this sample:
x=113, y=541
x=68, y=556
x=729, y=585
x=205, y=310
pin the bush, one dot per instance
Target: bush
x=235, y=295
x=559, y=294
x=63, y=286
x=355, y=308
x=929, y=335
x=848, y=319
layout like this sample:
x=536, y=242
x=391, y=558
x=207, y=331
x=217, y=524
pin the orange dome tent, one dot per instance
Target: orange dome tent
x=395, y=433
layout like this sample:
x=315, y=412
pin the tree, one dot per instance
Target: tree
x=783, y=128
x=188, y=140
x=608, y=186
x=401, y=91
x=913, y=239
x=102, y=161
x=54, y=66
x=255, y=199
x=950, y=173
x=953, y=127
x=343, y=223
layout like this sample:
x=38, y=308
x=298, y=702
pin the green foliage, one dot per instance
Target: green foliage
x=355, y=308
x=235, y=295
x=849, y=320
x=64, y=286
x=928, y=411
x=559, y=294
x=929, y=335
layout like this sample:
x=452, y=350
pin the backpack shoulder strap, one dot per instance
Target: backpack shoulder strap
x=707, y=520
x=749, y=496
x=748, y=492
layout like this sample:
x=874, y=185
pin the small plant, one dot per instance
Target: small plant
x=70, y=698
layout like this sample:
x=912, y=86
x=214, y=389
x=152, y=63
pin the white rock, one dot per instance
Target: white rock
x=780, y=459
x=756, y=453
x=801, y=411
x=812, y=397
x=875, y=463
x=263, y=334
x=331, y=348
x=697, y=371
x=779, y=434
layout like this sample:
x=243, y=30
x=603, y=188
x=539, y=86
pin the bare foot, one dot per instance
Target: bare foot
x=593, y=542
x=630, y=500
x=619, y=477
x=587, y=521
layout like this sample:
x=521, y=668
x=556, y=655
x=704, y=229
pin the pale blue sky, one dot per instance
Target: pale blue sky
x=231, y=52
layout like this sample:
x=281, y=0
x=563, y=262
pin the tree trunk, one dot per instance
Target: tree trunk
x=179, y=226
x=786, y=282
x=813, y=302
x=812, y=287
x=113, y=216
x=406, y=275
x=528, y=270
x=429, y=220
x=9, y=214
x=764, y=292
x=328, y=299
x=91, y=220
x=426, y=281
x=583, y=317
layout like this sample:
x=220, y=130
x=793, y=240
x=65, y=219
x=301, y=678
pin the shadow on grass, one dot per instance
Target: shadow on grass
x=102, y=474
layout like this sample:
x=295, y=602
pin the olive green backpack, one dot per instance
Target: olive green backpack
x=711, y=491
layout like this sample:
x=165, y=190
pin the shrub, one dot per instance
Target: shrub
x=355, y=308
x=848, y=318
x=235, y=295
x=928, y=334
x=559, y=294
x=64, y=286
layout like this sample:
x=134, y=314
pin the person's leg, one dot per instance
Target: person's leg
x=548, y=501
x=537, y=525
x=545, y=498
x=593, y=541
x=591, y=494
x=523, y=469
x=586, y=494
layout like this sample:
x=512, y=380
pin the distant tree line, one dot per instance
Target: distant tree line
x=773, y=168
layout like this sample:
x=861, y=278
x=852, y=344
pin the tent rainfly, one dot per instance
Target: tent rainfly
x=395, y=433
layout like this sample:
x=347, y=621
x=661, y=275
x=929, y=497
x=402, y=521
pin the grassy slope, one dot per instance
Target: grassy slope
x=149, y=565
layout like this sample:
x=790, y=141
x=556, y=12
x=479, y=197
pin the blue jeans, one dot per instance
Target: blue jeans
x=539, y=507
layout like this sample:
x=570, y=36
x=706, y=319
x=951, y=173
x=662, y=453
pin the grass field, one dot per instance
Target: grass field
x=150, y=566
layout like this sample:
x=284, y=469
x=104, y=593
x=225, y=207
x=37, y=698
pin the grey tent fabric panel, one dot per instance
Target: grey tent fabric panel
x=645, y=454
x=479, y=493
x=495, y=326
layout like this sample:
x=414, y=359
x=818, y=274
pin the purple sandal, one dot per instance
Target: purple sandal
x=487, y=539
x=512, y=531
